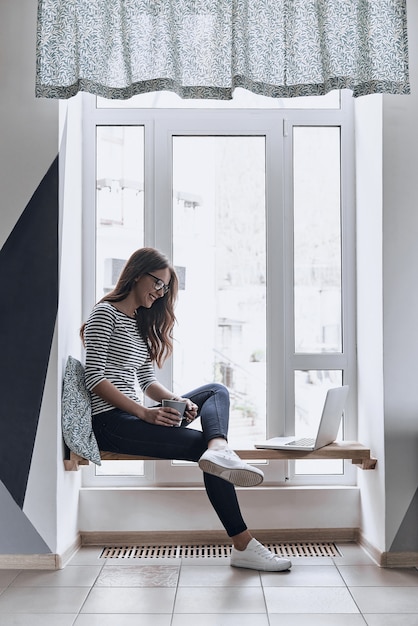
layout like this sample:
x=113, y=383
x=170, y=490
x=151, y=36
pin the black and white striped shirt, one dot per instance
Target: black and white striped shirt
x=115, y=351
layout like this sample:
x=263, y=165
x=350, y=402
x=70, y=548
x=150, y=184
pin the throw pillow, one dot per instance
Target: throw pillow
x=77, y=428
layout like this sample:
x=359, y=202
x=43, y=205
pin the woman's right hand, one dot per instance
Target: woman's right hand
x=161, y=416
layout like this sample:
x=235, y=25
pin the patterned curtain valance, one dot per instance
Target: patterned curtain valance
x=207, y=48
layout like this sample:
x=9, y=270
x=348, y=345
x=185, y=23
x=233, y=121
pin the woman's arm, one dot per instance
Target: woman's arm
x=161, y=416
x=158, y=393
x=108, y=392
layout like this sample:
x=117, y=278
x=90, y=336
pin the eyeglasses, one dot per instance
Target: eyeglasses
x=159, y=284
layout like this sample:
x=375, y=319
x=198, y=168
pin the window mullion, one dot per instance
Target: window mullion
x=277, y=253
x=160, y=208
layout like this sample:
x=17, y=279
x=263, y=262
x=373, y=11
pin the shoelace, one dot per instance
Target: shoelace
x=264, y=552
x=227, y=452
x=230, y=453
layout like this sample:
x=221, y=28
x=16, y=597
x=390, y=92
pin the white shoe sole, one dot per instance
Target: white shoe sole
x=282, y=566
x=238, y=477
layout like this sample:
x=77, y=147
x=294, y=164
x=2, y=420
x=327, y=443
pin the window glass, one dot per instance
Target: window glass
x=219, y=233
x=317, y=239
x=119, y=200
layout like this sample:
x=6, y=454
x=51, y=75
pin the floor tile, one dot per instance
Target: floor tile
x=88, y=556
x=309, y=600
x=129, y=600
x=385, y=599
x=219, y=600
x=218, y=576
x=391, y=620
x=138, y=576
x=142, y=562
x=312, y=560
x=372, y=576
x=7, y=576
x=42, y=599
x=205, y=561
x=304, y=576
x=123, y=620
x=352, y=554
x=215, y=619
x=40, y=619
x=71, y=576
x=317, y=620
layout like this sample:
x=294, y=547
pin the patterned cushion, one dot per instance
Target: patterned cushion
x=77, y=429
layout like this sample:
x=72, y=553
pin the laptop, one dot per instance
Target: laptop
x=327, y=430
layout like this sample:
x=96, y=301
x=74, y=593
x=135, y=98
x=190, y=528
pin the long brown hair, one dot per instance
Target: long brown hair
x=156, y=323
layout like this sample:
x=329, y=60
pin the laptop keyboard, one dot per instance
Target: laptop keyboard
x=306, y=442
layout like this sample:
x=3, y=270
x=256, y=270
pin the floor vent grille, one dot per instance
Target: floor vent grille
x=215, y=550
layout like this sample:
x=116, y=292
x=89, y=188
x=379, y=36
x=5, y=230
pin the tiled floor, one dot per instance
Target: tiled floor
x=343, y=591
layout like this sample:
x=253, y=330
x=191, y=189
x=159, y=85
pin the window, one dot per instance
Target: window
x=255, y=208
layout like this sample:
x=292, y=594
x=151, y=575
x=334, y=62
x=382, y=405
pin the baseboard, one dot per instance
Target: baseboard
x=389, y=559
x=399, y=559
x=29, y=561
x=123, y=538
x=40, y=561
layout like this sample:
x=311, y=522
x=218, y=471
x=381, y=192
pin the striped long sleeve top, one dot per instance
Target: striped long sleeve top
x=115, y=351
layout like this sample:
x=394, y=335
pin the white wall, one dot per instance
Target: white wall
x=368, y=130
x=387, y=256
x=400, y=293
x=167, y=509
x=28, y=127
x=70, y=295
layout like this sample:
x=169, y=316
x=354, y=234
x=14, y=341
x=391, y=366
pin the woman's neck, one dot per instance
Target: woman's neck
x=126, y=306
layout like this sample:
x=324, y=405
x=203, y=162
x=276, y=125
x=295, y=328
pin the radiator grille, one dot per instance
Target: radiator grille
x=215, y=550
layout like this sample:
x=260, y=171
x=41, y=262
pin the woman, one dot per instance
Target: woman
x=128, y=331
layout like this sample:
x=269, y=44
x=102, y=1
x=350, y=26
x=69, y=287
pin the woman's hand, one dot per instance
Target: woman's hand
x=190, y=412
x=168, y=416
x=161, y=416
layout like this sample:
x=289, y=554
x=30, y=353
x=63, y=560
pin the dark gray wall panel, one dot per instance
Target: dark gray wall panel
x=29, y=286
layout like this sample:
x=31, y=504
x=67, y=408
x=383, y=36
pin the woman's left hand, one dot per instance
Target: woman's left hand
x=190, y=412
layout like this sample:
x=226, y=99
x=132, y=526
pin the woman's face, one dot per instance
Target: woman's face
x=151, y=286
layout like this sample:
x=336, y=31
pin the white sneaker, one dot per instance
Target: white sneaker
x=226, y=464
x=257, y=556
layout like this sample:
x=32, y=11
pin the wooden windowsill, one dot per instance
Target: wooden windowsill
x=351, y=450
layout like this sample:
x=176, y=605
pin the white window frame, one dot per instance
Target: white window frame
x=160, y=125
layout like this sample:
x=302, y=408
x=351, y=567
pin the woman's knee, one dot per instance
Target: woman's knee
x=220, y=389
x=206, y=391
x=218, y=392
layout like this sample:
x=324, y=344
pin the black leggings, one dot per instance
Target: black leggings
x=117, y=431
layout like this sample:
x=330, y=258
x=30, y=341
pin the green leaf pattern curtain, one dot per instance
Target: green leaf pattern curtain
x=207, y=48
